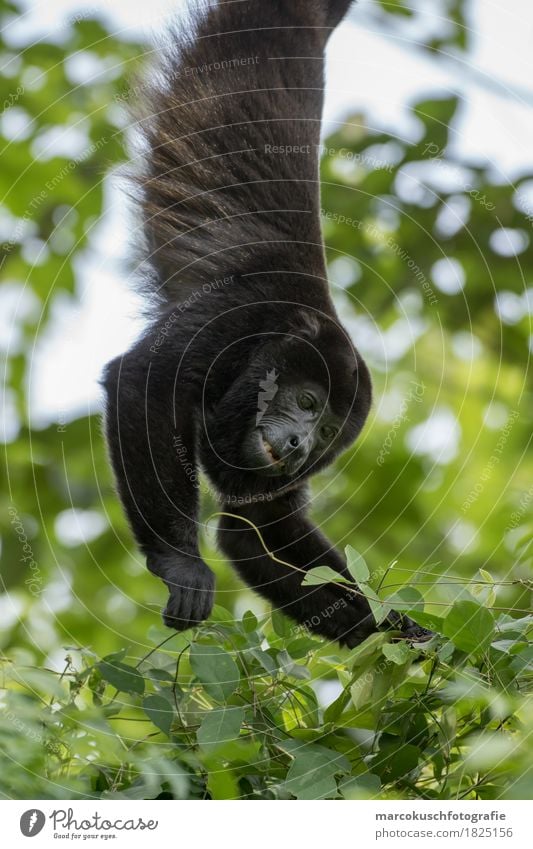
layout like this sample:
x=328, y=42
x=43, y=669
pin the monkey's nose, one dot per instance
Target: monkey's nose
x=295, y=447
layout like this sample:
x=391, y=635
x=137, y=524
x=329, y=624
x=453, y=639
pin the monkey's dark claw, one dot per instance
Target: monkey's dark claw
x=187, y=608
x=191, y=590
x=417, y=634
x=409, y=629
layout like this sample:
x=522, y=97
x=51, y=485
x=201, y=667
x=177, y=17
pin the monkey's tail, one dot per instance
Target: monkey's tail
x=230, y=126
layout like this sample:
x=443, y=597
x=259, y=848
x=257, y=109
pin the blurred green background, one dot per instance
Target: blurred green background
x=430, y=260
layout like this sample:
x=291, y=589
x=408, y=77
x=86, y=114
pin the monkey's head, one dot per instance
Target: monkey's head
x=302, y=400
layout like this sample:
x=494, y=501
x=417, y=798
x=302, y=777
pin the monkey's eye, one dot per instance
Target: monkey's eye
x=306, y=401
x=328, y=432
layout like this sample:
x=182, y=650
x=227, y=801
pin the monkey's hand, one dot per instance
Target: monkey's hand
x=191, y=586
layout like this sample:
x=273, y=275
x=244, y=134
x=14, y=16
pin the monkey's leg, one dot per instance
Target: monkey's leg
x=151, y=442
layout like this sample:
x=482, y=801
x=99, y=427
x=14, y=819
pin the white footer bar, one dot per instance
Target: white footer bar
x=243, y=826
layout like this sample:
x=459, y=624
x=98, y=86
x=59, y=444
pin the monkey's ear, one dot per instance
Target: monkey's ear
x=306, y=324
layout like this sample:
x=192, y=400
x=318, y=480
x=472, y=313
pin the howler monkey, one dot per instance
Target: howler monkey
x=245, y=370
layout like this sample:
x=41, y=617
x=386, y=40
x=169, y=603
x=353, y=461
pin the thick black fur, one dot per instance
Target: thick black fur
x=236, y=275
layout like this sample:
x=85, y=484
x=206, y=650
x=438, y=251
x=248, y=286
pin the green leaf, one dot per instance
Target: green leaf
x=159, y=711
x=159, y=675
x=222, y=785
x=336, y=708
x=265, y=660
x=323, y=575
x=117, y=656
x=488, y=750
x=427, y=620
x=361, y=787
x=361, y=689
x=282, y=626
x=312, y=773
x=408, y=598
x=41, y=680
x=301, y=646
x=220, y=614
x=126, y=679
x=395, y=760
x=437, y=115
x=370, y=648
x=380, y=610
x=470, y=627
x=482, y=589
x=357, y=565
x=446, y=651
x=216, y=669
x=398, y=653
x=287, y=666
x=220, y=726
x=486, y=576
x=249, y=622
x=396, y=7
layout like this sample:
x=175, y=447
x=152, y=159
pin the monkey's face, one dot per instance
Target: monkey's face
x=294, y=427
x=291, y=412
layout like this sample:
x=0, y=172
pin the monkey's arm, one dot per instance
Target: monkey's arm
x=151, y=443
x=327, y=609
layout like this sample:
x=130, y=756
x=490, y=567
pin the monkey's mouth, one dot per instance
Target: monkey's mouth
x=264, y=457
x=273, y=459
x=279, y=465
x=265, y=460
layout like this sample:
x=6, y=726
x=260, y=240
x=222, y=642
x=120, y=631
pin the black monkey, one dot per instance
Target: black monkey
x=245, y=369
